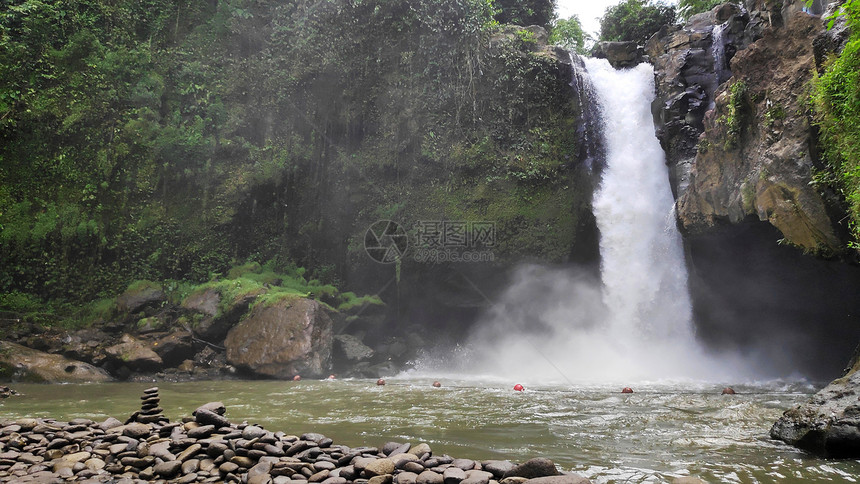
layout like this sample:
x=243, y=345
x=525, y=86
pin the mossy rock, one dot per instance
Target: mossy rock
x=139, y=295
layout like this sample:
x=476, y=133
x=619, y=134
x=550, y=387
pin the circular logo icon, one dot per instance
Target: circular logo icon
x=386, y=241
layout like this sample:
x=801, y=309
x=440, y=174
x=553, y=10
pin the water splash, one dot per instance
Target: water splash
x=560, y=325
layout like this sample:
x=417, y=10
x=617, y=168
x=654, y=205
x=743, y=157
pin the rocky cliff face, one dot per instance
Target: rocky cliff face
x=731, y=114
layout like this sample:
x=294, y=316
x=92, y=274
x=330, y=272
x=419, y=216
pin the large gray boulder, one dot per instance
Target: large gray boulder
x=134, y=354
x=829, y=423
x=20, y=363
x=287, y=337
x=621, y=55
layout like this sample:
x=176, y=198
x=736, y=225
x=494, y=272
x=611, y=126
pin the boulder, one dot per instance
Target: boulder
x=828, y=424
x=174, y=348
x=350, y=349
x=621, y=55
x=135, y=354
x=532, y=468
x=21, y=363
x=216, y=315
x=288, y=337
x=139, y=295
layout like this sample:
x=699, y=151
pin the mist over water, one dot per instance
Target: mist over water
x=633, y=325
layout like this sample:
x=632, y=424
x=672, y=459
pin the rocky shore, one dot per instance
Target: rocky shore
x=208, y=447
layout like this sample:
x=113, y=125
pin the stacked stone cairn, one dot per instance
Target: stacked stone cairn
x=149, y=412
x=207, y=447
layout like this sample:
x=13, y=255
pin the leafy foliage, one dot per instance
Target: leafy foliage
x=150, y=139
x=568, y=33
x=525, y=12
x=688, y=8
x=836, y=99
x=635, y=20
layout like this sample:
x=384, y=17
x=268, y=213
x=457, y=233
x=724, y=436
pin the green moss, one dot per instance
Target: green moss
x=836, y=105
x=737, y=114
x=239, y=271
x=351, y=302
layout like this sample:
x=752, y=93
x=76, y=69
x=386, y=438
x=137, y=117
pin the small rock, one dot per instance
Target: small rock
x=465, y=464
x=497, y=467
x=513, y=480
x=429, y=477
x=379, y=467
x=110, y=423
x=406, y=478
x=136, y=430
x=688, y=480
x=214, y=407
x=335, y=480
x=207, y=417
x=411, y=466
x=537, y=467
x=453, y=475
x=383, y=479
x=190, y=466
x=561, y=479
x=252, y=432
x=420, y=449
x=201, y=432
x=167, y=469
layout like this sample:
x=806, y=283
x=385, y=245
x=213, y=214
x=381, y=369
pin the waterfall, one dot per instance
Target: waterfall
x=561, y=325
x=642, y=261
x=718, y=51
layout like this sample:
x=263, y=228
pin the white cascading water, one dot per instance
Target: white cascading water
x=642, y=260
x=633, y=325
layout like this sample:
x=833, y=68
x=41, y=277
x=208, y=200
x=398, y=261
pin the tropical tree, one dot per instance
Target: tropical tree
x=635, y=20
x=688, y=8
x=525, y=12
x=568, y=33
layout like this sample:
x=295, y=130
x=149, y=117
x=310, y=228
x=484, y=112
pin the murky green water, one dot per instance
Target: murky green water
x=661, y=431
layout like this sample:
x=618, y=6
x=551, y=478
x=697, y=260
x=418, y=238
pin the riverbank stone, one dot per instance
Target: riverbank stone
x=532, y=468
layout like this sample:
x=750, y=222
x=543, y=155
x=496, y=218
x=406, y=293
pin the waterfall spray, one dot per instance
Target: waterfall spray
x=635, y=323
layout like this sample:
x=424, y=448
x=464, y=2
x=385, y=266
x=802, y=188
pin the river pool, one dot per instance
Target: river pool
x=661, y=431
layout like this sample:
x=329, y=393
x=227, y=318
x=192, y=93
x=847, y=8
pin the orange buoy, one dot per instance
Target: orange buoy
x=380, y=382
x=626, y=390
x=728, y=391
x=518, y=388
x=437, y=384
x=297, y=378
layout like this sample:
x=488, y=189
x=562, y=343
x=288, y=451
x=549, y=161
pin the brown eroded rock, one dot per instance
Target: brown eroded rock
x=755, y=156
x=135, y=354
x=290, y=336
x=22, y=363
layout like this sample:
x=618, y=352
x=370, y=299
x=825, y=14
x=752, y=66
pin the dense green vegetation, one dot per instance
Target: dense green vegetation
x=836, y=99
x=525, y=12
x=568, y=33
x=688, y=8
x=157, y=140
x=635, y=20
